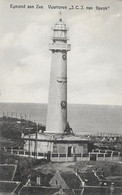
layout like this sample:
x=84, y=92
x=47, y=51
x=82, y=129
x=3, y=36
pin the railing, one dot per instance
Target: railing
x=21, y=152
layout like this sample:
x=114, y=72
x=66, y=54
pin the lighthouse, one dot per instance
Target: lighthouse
x=59, y=143
x=57, y=99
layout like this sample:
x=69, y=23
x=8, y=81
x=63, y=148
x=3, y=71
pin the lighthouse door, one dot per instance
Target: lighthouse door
x=69, y=151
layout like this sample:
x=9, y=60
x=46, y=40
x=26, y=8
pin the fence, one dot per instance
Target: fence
x=92, y=156
x=99, y=155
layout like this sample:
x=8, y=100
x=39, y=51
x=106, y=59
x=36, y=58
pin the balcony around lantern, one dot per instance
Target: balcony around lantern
x=56, y=46
x=60, y=38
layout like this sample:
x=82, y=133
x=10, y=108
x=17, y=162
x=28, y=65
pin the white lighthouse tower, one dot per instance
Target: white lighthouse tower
x=57, y=100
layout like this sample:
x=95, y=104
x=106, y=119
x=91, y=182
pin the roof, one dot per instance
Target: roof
x=98, y=191
x=108, y=183
x=60, y=192
x=7, y=172
x=8, y=186
x=71, y=180
x=65, y=180
x=55, y=137
x=57, y=181
x=33, y=190
x=89, y=178
x=41, y=136
x=44, y=178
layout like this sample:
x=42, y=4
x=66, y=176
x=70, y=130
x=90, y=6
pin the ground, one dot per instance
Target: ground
x=110, y=168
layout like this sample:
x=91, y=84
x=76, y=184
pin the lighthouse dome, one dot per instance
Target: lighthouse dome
x=60, y=25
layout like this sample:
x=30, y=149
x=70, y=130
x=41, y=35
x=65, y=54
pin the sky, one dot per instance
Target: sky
x=94, y=62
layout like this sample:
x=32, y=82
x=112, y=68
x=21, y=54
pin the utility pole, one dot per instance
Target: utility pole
x=112, y=188
x=36, y=142
x=121, y=148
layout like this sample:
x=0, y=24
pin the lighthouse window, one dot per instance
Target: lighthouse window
x=63, y=104
x=64, y=57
